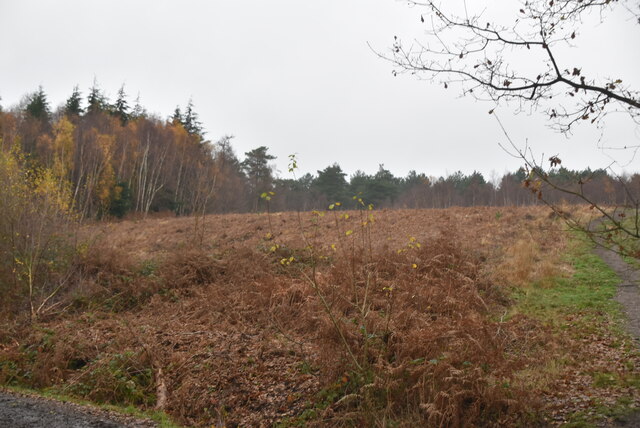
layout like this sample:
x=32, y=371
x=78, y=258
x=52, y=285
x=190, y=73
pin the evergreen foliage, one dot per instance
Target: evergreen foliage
x=38, y=106
x=177, y=116
x=259, y=173
x=138, y=110
x=122, y=200
x=191, y=121
x=121, y=107
x=96, y=101
x=73, y=105
x=332, y=184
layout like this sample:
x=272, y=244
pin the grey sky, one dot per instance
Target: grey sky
x=298, y=77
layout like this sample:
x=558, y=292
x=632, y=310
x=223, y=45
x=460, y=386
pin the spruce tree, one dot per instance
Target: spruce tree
x=38, y=105
x=121, y=107
x=190, y=120
x=177, y=116
x=96, y=100
x=73, y=105
x=138, y=110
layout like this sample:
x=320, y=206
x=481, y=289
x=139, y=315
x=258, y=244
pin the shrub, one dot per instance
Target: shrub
x=36, y=230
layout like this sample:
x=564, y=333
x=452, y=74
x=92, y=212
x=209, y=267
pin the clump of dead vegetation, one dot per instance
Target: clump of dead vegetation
x=331, y=325
x=409, y=333
x=534, y=258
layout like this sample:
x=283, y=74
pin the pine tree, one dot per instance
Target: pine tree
x=96, y=100
x=259, y=173
x=177, y=116
x=73, y=105
x=121, y=107
x=331, y=182
x=38, y=106
x=138, y=110
x=121, y=202
x=191, y=122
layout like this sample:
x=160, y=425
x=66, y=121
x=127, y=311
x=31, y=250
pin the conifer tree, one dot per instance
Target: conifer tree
x=73, y=105
x=177, y=116
x=138, y=110
x=259, y=173
x=121, y=107
x=38, y=105
x=190, y=120
x=96, y=100
x=331, y=182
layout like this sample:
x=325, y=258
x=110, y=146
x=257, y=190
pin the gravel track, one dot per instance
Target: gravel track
x=25, y=411
x=628, y=295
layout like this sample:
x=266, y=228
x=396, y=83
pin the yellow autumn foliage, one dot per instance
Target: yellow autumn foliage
x=63, y=148
x=107, y=178
x=35, y=228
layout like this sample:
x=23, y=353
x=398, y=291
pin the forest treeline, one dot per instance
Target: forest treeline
x=112, y=158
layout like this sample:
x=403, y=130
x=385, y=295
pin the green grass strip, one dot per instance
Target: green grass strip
x=587, y=293
x=582, y=305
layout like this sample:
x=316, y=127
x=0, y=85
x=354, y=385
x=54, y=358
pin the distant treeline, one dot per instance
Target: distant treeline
x=114, y=159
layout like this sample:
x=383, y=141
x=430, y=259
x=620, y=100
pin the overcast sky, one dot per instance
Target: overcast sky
x=298, y=76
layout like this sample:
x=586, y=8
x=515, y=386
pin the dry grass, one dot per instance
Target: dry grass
x=238, y=334
x=481, y=229
x=530, y=262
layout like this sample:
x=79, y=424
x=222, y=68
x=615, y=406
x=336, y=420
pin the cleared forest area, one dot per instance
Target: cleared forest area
x=464, y=316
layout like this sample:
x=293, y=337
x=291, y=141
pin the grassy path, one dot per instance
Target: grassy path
x=628, y=289
x=594, y=381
